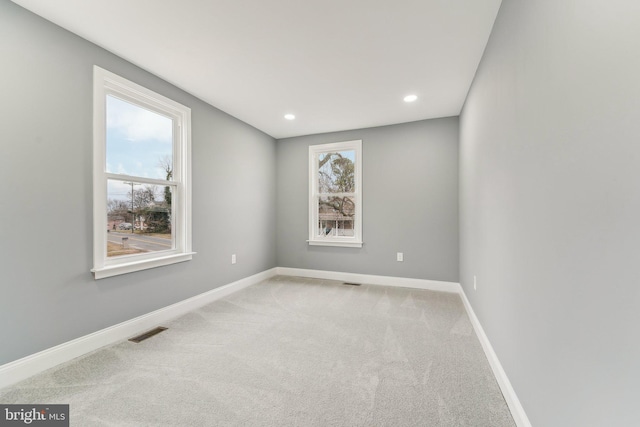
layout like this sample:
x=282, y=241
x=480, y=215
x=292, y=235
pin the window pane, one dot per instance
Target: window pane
x=139, y=141
x=336, y=172
x=138, y=218
x=336, y=216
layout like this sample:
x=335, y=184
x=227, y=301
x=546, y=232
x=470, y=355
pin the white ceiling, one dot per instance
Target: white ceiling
x=335, y=64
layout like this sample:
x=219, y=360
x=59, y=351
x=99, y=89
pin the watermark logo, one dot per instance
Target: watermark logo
x=34, y=415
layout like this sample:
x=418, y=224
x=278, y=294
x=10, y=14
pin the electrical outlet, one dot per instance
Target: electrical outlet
x=233, y=259
x=399, y=257
x=475, y=284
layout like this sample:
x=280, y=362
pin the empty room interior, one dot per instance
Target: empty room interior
x=343, y=213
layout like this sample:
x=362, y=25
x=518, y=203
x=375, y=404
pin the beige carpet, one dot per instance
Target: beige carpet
x=289, y=352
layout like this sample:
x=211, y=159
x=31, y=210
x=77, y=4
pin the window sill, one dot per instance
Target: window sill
x=130, y=267
x=335, y=243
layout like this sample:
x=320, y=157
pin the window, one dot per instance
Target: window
x=141, y=178
x=335, y=194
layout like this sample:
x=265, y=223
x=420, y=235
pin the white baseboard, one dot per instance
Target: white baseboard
x=21, y=369
x=432, y=285
x=517, y=411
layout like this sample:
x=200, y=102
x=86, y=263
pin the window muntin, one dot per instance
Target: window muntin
x=142, y=174
x=335, y=205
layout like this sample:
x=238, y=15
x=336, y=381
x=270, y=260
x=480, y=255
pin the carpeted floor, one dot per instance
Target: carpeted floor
x=289, y=352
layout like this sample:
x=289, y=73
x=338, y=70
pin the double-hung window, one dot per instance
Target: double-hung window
x=141, y=178
x=335, y=194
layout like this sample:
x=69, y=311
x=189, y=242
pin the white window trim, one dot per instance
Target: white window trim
x=106, y=83
x=340, y=241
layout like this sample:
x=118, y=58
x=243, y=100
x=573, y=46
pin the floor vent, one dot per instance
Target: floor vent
x=351, y=284
x=148, y=334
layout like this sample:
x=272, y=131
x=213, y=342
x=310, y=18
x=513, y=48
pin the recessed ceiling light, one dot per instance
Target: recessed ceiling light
x=410, y=98
x=289, y=116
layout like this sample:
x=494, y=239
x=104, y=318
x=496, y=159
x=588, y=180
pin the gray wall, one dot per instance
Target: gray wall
x=550, y=206
x=48, y=295
x=410, y=202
